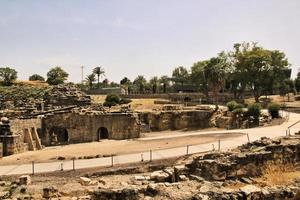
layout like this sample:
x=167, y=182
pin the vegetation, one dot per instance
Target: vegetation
x=91, y=79
x=254, y=111
x=273, y=109
x=99, y=71
x=7, y=76
x=36, y=77
x=56, y=76
x=232, y=105
x=114, y=99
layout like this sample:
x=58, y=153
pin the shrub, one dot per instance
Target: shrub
x=273, y=109
x=111, y=100
x=238, y=111
x=254, y=111
x=125, y=101
x=231, y=105
x=114, y=99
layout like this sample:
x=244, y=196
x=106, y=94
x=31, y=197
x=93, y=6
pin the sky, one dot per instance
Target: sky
x=138, y=37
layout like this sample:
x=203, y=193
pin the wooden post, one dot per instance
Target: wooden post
x=32, y=167
x=150, y=155
x=61, y=167
x=73, y=164
x=187, y=149
x=112, y=160
x=219, y=145
x=248, y=137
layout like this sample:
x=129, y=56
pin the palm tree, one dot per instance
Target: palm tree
x=99, y=71
x=140, y=82
x=165, y=81
x=90, y=79
x=154, y=83
x=216, y=70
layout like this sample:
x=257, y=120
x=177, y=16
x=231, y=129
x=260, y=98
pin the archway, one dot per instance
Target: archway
x=102, y=133
x=59, y=135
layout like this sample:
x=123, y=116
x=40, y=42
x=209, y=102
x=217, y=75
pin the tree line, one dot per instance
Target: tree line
x=248, y=67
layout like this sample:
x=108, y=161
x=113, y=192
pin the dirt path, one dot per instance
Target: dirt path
x=115, y=147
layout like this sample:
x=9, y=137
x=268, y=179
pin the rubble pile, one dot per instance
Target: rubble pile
x=247, y=160
x=66, y=94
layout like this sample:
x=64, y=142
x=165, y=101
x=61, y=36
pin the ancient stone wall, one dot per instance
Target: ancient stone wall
x=87, y=127
x=17, y=126
x=176, y=120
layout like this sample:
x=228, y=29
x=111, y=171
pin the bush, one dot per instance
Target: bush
x=273, y=109
x=238, y=111
x=125, y=101
x=231, y=105
x=254, y=111
x=111, y=100
x=114, y=99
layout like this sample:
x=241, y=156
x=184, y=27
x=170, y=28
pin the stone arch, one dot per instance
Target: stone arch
x=102, y=133
x=59, y=135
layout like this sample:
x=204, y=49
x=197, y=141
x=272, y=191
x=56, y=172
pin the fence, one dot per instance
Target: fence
x=152, y=154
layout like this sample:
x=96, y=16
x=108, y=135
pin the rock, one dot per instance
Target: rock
x=84, y=181
x=88, y=197
x=139, y=178
x=183, y=178
x=4, y=195
x=246, y=180
x=129, y=193
x=250, y=189
x=2, y=183
x=24, y=180
x=50, y=191
x=159, y=176
x=23, y=189
x=152, y=190
x=197, y=178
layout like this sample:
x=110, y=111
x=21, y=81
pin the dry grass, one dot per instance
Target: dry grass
x=98, y=98
x=279, y=174
x=144, y=104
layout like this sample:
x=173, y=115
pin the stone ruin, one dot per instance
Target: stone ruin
x=214, y=172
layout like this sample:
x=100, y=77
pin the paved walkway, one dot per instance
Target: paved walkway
x=254, y=134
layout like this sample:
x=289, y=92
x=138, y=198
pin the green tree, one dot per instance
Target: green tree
x=180, y=75
x=140, y=82
x=154, y=84
x=36, y=77
x=8, y=76
x=56, y=76
x=99, y=71
x=297, y=83
x=257, y=68
x=90, y=79
x=199, y=76
x=125, y=81
x=165, y=81
x=216, y=70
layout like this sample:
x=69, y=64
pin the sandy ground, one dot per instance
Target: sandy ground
x=115, y=147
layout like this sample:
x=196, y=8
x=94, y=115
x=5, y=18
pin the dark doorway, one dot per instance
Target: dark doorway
x=59, y=135
x=102, y=133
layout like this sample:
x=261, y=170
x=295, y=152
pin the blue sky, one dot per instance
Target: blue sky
x=133, y=37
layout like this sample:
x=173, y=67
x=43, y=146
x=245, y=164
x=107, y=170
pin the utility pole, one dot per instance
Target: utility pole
x=82, y=74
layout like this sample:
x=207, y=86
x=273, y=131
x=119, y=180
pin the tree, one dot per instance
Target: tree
x=165, y=81
x=56, y=76
x=91, y=79
x=99, y=71
x=258, y=68
x=154, y=84
x=125, y=81
x=140, y=82
x=180, y=75
x=36, y=77
x=8, y=76
x=105, y=82
x=199, y=76
x=215, y=71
